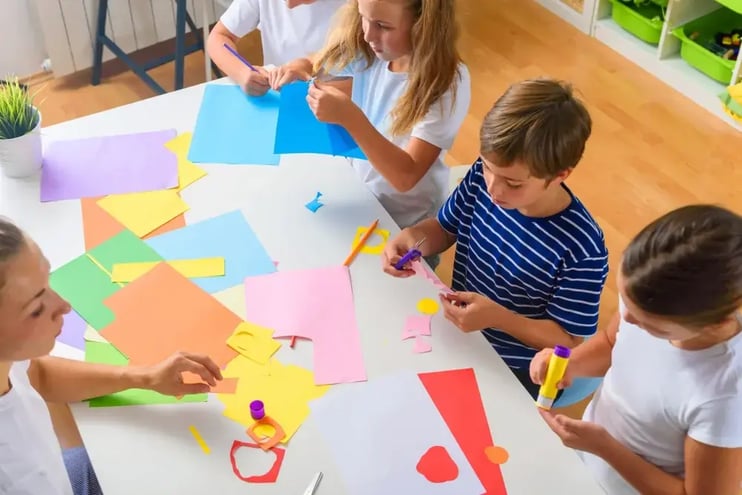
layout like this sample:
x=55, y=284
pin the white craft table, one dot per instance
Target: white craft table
x=149, y=449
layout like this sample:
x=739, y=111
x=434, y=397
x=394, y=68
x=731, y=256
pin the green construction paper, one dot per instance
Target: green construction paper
x=124, y=247
x=85, y=286
x=103, y=353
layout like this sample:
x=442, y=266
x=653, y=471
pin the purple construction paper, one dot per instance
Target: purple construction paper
x=73, y=330
x=98, y=166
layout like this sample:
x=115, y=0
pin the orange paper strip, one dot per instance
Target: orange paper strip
x=163, y=312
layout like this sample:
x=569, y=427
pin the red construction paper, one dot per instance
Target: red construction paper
x=455, y=394
x=437, y=466
x=270, y=477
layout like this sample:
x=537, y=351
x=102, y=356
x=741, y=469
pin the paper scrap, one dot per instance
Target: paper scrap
x=426, y=273
x=397, y=405
x=98, y=166
x=427, y=306
x=369, y=247
x=92, y=335
x=253, y=342
x=270, y=476
x=456, y=395
x=496, y=455
x=98, y=225
x=315, y=204
x=228, y=236
x=315, y=304
x=416, y=325
x=149, y=327
x=97, y=352
x=437, y=466
x=233, y=299
x=195, y=268
x=73, y=330
x=85, y=286
x=234, y=128
x=143, y=212
x=421, y=346
x=284, y=389
x=199, y=439
x=188, y=172
x=224, y=386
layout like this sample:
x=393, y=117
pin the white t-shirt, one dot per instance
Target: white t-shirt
x=30, y=456
x=376, y=91
x=287, y=34
x=655, y=394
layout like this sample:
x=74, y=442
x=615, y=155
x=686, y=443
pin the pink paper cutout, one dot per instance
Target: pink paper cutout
x=315, y=304
x=421, y=345
x=424, y=272
x=416, y=325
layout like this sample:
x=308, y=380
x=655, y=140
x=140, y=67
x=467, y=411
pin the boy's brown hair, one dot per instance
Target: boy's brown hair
x=538, y=122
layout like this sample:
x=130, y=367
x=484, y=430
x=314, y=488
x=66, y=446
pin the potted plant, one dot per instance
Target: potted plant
x=20, y=130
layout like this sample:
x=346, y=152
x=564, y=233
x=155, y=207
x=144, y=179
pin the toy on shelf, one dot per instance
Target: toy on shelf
x=724, y=45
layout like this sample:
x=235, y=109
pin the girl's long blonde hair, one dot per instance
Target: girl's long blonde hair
x=434, y=61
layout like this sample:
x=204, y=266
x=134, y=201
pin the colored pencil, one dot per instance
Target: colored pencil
x=361, y=243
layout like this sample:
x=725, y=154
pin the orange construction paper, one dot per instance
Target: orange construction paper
x=98, y=225
x=163, y=312
x=174, y=224
x=455, y=394
x=224, y=386
x=497, y=455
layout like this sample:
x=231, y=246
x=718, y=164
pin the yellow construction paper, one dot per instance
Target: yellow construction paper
x=233, y=299
x=427, y=306
x=188, y=172
x=199, y=439
x=199, y=267
x=253, y=342
x=143, y=212
x=368, y=248
x=286, y=391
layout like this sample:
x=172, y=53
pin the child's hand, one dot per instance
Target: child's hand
x=577, y=434
x=255, y=83
x=285, y=74
x=329, y=103
x=393, y=252
x=540, y=363
x=470, y=311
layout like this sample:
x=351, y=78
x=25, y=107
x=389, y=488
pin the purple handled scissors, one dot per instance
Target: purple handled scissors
x=410, y=255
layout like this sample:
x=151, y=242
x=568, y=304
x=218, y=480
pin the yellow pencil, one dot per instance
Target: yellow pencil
x=361, y=243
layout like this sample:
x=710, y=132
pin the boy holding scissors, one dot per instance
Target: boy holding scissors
x=530, y=261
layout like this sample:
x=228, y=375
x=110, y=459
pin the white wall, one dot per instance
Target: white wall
x=20, y=29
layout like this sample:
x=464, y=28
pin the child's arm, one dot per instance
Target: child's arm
x=254, y=83
x=66, y=380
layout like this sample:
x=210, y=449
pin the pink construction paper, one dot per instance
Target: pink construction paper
x=421, y=345
x=424, y=272
x=315, y=304
x=117, y=164
x=416, y=325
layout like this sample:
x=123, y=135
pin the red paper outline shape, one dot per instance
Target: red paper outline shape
x=270, y=477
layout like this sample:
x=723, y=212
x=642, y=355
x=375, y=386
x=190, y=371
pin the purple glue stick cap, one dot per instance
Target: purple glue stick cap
x=257, y=410
x=562, y=352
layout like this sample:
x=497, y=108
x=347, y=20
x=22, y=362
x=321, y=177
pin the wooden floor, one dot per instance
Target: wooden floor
x=651, y=150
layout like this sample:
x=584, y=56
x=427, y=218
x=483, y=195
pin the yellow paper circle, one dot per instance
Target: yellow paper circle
x=427, y=306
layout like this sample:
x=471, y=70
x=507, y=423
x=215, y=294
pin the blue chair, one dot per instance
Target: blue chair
x=580, y=389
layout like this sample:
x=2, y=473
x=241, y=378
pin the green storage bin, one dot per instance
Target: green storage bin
x=694, y=50
x=644, y=21
x=735, y=5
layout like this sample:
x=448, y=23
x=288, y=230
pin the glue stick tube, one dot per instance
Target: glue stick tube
x=554, y=373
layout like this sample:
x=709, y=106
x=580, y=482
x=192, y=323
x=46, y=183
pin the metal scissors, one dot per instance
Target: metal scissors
x=313, y=484
x=324, y=76
x=410, y=255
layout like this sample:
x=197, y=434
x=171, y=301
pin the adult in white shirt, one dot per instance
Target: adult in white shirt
x=407, y=99
x=667, y=418
x=289, y=29
x=31, y=313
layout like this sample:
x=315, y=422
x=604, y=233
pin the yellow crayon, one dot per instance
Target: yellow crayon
x=557, y=366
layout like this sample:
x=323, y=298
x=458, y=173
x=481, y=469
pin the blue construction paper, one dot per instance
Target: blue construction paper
x=234, y=128
x=299, y=131
x=315, y=204
x=228, y=236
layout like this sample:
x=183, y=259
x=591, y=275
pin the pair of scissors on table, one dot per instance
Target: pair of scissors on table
x=410, y=255
x=312, y=488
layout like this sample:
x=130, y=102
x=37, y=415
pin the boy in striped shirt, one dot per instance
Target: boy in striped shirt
x=530, y=261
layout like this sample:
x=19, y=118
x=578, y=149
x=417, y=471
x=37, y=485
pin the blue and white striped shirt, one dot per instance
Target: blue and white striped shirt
x=553, y=267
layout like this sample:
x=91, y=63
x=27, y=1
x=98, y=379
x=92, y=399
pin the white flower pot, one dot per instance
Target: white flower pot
x=21, y=156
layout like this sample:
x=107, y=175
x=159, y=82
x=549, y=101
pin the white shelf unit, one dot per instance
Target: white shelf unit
x=581, y=20
x=664, y=61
